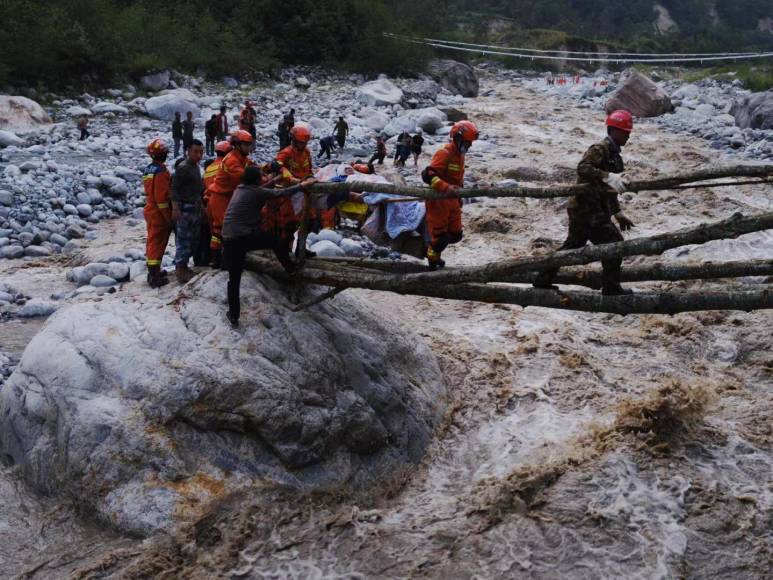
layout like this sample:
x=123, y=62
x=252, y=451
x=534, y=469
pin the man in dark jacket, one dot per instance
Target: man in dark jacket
x=210, y=132
x=590, y=213
x=187, y=190
x=177, y=133
x=341, y=130
x=188, y=127
x=242, y=231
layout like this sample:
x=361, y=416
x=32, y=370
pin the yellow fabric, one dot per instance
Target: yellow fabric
x=353, y=207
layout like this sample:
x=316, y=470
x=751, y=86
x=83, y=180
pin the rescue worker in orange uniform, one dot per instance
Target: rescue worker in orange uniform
x=202, y=255
x=247, y=119
x=225, y=182
x=446, y=174
x=295, y=167
x=158, y=212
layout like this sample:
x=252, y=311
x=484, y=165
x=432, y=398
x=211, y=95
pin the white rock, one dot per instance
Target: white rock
x=9, y=138
x=401, y=124
x=374, y=119
x=379, y=93
x=327, y=249
x=6, y=198
x=84, y=209
x=165, y=106
x=705, y=110
x=155, y=82
x=76, y=111
x=352, y=248
x=106, y=107
x=330, y=236
x=102, y=281
x=302, y=83
x=21, y=115
x=118, y=271
x=36, y=307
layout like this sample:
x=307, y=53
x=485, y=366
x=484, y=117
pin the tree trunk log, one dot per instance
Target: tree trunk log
x=550, y=191
x=640, y=303
x=590, y=277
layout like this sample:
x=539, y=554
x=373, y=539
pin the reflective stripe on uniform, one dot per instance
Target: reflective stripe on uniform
x=162, y=205
x=435, y=181
x=454, y=167
x=154, y=262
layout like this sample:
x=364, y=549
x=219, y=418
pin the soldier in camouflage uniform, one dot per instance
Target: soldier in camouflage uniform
x=590, y=214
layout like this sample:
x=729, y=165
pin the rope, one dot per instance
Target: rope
x=589, y=59
x=557, y=51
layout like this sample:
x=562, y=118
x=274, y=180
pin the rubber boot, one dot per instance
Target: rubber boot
x=155, y=279
x=183, y=273
x=216, y=258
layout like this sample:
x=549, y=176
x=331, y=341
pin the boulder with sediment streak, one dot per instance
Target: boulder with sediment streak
x=145, y=408
x=21, y=115
x=457, y=77
x=156, y=82
x=640, y=96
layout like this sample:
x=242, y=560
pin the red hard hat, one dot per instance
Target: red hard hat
x=224, y=146
x=157, y=147
x=241, y=136
x=300, y=132
x=620, y=119
x=466, y=129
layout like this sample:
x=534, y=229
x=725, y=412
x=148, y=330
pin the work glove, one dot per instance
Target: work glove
x=616, y=182
x=623, y=221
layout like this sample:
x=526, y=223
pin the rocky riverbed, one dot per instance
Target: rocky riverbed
x=574, y=445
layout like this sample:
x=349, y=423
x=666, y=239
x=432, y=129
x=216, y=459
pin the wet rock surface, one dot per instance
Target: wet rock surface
x=143, y=411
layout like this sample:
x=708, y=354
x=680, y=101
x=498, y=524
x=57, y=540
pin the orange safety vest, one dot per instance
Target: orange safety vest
x=230, y=173
x=447, y=168
x=295, y=164
x=156, y=181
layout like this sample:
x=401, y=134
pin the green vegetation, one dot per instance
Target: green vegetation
x=78, y=42
x=755, y=78
x=58, y=43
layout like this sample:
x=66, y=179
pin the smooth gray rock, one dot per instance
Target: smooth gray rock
x=118, y=271
x=102, y=281
x=422, y=91
x=329, y=235
x=84, y=209
x=12, y=252
x=168, y=406
x=754, y=111
x=6, y=198
x=74, y=231
x=327, y=249
x=379, y=93
x=37, y=251
x=35, y=308
x=155, y=82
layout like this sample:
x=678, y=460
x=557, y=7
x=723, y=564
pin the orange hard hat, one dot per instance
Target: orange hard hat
x=300, y=132
x=224, y=147
x=241, y=136
x=620, y=119
x=466, y=130
x=157, y=147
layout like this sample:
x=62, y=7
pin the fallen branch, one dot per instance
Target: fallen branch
x=731, y=227
x=639, y=303
x=590, y=277
x=758, y=171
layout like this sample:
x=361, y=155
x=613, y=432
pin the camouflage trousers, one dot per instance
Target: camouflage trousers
x=187, y=232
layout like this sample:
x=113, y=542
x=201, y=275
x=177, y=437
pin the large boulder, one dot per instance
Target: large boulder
x=380, y=93
x=155, y=82
x=754, y=111
x=21, y=115
x=431, y=119
x=165, y=106
x=143, y=409
x=457, y=77
x=640, y=96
